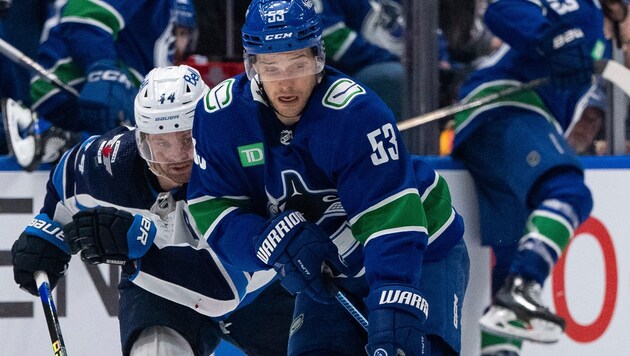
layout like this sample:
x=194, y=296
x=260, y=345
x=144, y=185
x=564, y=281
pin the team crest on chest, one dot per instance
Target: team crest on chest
x=300, y=197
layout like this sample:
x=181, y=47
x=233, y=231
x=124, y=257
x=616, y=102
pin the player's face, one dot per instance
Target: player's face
x=288, y=79
x=172, y=154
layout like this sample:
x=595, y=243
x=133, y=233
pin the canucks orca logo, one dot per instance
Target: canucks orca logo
x=316, y=205
x=322, y=207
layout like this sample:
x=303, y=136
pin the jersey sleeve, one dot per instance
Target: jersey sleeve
x=58, y=202
x=377, y=188
x=345, y=45
x=444, y=224
x=196, y=278
x=215, y=194
x=90, y=28
x=520, y=23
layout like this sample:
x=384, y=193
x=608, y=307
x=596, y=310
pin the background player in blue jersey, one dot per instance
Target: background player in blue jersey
x=530, y=184
x=120, y=199
x=311, y=165
x=366, y=40
x=102, y=49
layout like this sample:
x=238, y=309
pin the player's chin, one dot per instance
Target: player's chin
x=179, y=178
x=179, y=172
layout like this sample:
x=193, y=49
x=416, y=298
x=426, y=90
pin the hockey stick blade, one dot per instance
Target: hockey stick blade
x=50, y=311
x=608, y=69
x=16, y=119
x=15, y=55
x=615, y=73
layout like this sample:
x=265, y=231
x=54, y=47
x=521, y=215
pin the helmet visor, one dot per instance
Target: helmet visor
x=173, y=147
x=284, y=65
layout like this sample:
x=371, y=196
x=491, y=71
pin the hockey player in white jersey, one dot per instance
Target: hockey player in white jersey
x=120, y=198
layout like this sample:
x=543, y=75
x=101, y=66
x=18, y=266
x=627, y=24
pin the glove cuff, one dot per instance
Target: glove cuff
x=272, y=241
x=557, y=37
x=401, y=297
x=44, y=227
x=140, y=236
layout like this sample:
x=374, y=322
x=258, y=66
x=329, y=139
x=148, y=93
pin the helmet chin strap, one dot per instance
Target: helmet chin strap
x=264, y=96
x=156, y=171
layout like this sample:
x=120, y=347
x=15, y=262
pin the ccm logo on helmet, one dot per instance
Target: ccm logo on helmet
x=279, y=36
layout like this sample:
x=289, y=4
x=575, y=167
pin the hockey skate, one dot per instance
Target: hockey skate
x=31, y=140
x=518, y=312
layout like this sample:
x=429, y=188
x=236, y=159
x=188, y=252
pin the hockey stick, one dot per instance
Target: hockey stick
x=22, y=59
x=346, y=303
x=462, y=106
x=608, y=69
x=54, y=329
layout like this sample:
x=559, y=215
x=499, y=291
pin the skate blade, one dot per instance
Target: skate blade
x=17, y=118
x=504, y=322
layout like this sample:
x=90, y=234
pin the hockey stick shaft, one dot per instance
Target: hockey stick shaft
x=346, y=303
x=463, y=106
x=608, y=69
x=25, y=61
x=50, y=311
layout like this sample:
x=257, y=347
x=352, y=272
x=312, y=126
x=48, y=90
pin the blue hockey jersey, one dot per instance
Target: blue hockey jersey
x=107, y=170
x=521, y=24
x=345, y=161
x=77, y=33
x=360, y=33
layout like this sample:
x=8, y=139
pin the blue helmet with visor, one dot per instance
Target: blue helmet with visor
x=276, y=26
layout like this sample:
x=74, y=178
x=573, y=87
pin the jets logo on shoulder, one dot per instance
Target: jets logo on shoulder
x=219, y=97
x=107, y=152
x=341, y=93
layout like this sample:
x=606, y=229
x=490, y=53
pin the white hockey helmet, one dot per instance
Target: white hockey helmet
x=165, y=104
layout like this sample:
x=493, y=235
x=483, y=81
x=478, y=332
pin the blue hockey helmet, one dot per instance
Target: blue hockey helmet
x=275, y=26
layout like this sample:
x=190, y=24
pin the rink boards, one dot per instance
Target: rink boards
x=590, y=286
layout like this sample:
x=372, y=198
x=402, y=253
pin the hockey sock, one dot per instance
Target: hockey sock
x=547, y=233
x=492, y=344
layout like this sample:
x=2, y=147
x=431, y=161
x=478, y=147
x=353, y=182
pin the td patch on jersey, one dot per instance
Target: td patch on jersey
x=341, y=93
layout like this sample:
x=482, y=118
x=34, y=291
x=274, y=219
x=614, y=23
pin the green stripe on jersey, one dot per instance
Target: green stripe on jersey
x=552, y=228
x=336, y=40
x=95, y=11
x=527, y=99
x=402, y=213
x=66, y=72
x=438, y=202
x=208, y=211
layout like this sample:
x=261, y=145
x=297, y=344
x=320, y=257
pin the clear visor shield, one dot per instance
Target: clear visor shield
x=173, y=147
x=284, y=65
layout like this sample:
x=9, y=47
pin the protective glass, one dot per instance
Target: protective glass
x=284, y=65
x=173, y=147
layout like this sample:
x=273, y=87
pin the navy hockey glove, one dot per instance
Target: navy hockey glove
x=109, y=235
x=569, y=58
x=39, y=248
x=396, y=315
x=106, y=99
x=297, y=250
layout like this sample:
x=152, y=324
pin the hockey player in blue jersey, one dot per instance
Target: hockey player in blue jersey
x=102, y=49
x=530, y=184
x=174, y=292
x=365, y=39
x=300, y=169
